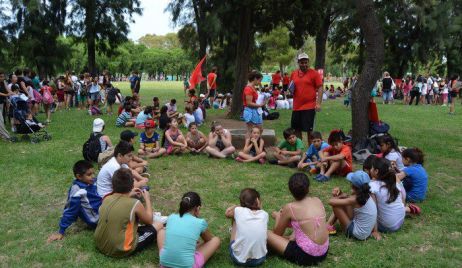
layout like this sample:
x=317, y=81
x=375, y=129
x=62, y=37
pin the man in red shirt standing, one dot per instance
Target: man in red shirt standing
x=307, y=97
x=212, y=85
x=276, y=79
x=285, y=82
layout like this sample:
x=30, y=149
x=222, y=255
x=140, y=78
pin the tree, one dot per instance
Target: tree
x=276, y=48
x=373, y=37
x=101, y=24
x=168, y=41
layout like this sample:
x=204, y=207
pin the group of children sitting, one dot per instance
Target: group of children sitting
x=118, y=203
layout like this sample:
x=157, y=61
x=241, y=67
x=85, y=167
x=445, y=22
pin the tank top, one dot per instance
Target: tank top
x=116, y=234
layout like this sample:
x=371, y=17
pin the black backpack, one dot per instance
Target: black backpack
x=92, y=147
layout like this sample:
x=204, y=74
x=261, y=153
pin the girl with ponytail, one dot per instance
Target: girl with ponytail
x=177, y=242
x=387, y=196
x=357, y=213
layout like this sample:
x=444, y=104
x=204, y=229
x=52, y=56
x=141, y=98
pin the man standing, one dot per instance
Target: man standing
x=307, y=97
x=276, y=79
x=212, y=84
x=135, y=81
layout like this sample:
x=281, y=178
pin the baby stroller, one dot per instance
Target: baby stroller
x=25, y=127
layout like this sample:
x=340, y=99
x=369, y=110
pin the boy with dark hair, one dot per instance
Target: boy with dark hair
x=136, y=163
x=118, y=233
x=311, y=158
x=123, y=153
x=83, y=200
x=336, y=159
x=125, y=118
x=288, y=151
x=171, y=108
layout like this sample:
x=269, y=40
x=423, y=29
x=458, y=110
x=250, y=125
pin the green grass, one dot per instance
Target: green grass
x=35, y=179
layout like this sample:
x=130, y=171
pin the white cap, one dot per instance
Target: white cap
x=98, y=125
x=201, y=96
x=303, y=56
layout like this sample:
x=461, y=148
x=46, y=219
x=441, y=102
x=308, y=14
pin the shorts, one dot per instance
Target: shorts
x=453, y=94
x=72, y=93
x=82, y=99
x=345, y=170
x=94, y=96
x=384, y=229
x=248, y=262
x=387, y=95
x=303, y=120
x=295, y=254
x=349, y=230
x=147, y=235
x=139, y=126
x=111, y=101
x=199, y=260
x=60, y=95
x=251, y=116
x=213, y=92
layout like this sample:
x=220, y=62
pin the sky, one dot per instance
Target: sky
x=153, y=20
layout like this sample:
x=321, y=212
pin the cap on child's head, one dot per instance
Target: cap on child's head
x=149, y=123
x=201, y=96
x=98, y=125
x=358, y=178
x=127, y=135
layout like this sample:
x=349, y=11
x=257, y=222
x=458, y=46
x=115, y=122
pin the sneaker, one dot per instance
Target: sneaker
x=261, y=160
x=331, y=229
x=321, y=178
x=273, y=161
x=157, y=217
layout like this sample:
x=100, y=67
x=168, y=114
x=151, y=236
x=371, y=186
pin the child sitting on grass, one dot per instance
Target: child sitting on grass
x=125, y=118
x=387, y=196
x=178, y=241
x=195, y=139
x=83, y=200
x=390, y=151
x=309, y=243
x=253, y=148
x=171, y=108
x=288, y=152
x=118, y=233
x=336, y=159
x=123, y=153
x=149, y=141
x=173, y=140
x=220, y=142
x=136, y=163
x=414, y=178
x=249, y=230
x=188, y=116
x=311, y=158
x=356, y=213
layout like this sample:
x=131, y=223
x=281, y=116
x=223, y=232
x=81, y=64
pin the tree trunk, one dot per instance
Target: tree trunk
x=321, y=41
x=243, y=53
x=90, y=16
x=374, y=44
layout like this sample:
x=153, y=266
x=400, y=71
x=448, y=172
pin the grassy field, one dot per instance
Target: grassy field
x=35, y=178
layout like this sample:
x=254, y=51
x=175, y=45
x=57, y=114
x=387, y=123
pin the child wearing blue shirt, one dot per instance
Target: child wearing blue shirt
x=414, y=178
x=83, y=200
x=178, y=241
x=149, y=141
x=311, y=157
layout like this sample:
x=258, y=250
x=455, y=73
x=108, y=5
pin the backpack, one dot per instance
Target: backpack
x=378, y=128
x=92, y=148
x=47, y=97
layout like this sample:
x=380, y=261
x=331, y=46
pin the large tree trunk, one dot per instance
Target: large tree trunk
x=321, y=41
x=243, y=53
x=90, y=35
x=373, y=38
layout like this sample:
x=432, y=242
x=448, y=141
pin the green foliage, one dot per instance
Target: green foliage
x=276, y=48
x=168, y=41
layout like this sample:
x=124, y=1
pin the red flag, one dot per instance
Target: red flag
x=196, y=75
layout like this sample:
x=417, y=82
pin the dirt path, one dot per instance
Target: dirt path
x=226, y=122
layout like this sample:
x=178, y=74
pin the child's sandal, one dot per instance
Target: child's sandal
x=415, y=210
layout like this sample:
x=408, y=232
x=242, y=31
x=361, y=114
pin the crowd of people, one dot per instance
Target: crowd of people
x=117, y=203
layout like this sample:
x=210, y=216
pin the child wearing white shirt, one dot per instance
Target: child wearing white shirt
x=249, y=231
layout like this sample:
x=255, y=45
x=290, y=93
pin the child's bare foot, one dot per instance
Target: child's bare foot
x=54, y=237
x=377, y=236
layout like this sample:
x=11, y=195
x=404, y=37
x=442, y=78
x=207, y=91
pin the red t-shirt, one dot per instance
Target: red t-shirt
x=276, y=78
x=306, y=85
x=251, y=92
x=276, y=93
x=285, y=80
x=345, y=151
x=210, y=78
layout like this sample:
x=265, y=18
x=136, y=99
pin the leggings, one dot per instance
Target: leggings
x=415, y=94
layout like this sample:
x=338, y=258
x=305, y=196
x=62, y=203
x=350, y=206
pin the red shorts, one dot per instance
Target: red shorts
x=344, y=170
